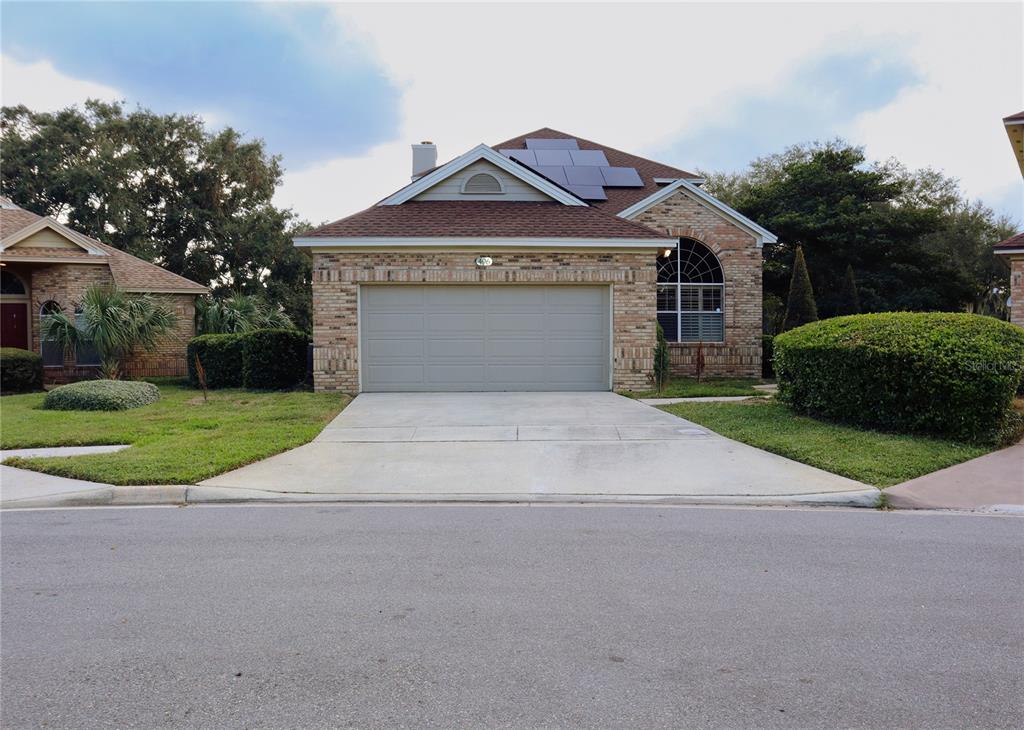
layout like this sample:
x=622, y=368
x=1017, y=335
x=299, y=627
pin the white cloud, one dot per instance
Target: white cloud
x=637, y=76
x=41, y=87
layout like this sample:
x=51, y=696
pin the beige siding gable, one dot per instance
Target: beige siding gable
x=515, y=190
x=47, y=238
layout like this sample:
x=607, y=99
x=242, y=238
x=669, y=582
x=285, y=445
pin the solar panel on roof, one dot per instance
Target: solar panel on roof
x=552, y=144
x=594, y=158
x=553, y=157
x=527, y=157
x=584, y=176
x=621, y=177
x=554, y=173
x=588, y=192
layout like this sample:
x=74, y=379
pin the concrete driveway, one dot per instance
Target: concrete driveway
x=528, y=446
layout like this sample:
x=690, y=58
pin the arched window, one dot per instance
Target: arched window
x=483, y=183
x=11, y=285
x=691, y=294
x=51, y=350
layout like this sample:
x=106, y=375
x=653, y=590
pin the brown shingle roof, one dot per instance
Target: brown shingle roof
x=1013, y=241
x=618, y=198
x=1018, y=117
x=128, y=271
x=483, y=219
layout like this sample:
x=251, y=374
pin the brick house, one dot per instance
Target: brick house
x=541, y=263
x=1013, y=247
x=46, y=266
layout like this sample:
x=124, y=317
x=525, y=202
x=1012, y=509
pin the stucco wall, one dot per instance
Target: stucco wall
x=337, y=276
x=740, y=353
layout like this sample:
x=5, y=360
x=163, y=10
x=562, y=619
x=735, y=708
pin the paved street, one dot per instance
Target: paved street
x=501, y=616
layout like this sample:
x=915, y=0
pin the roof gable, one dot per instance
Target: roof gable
x=685, y=187
x=27, y=236
x=483, y=152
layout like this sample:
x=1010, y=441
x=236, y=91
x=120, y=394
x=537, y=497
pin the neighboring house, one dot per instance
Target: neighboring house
x=541, y=263
x=46, y=266
x=1013, y=248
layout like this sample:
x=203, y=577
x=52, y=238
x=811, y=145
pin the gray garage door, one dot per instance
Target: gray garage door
x=484, y=338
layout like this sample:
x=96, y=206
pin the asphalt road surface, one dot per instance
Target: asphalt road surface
x=526, y=617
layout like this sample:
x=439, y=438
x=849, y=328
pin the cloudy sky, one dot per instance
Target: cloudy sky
x=342, y=90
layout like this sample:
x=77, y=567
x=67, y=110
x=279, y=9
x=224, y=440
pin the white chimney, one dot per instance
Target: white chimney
x=424, y=157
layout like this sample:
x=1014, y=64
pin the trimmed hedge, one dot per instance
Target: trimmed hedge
x=767, y=356
x=221, y=356
x=274, y=359
x=21, y=371
x=950, y=375
x=101, y=395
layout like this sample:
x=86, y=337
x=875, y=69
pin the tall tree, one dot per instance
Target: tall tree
x=849, y=300
x=800, y=308
x=163, y=188
x=905, y=233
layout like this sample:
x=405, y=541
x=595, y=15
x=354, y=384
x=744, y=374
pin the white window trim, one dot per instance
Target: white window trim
x=760, y=234
x=499, y=191
x=483, y=152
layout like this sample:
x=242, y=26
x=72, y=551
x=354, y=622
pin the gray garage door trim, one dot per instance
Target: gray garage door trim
x=495, y=337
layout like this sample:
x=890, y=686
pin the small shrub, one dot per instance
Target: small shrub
x=21, y=371
x=767, y=356
x=274, y=359
x=221, y=358
x=101, y=395
x=951, y=375
x=661, y=360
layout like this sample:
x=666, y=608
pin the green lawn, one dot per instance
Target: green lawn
x=690, y=388
x=179, y=440
x=872, y=457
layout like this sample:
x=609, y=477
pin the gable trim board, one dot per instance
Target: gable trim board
x=761, y=234
x=453, y=242
x=483, y=152
x=73, y=236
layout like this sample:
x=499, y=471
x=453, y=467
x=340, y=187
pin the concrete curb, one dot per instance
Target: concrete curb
x=184, y=495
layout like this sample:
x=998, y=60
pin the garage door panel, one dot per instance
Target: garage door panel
x=394, y=348
x=474, y=337
x=452, y=349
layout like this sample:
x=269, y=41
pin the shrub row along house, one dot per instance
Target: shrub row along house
x=541, y=263
x=46, y=267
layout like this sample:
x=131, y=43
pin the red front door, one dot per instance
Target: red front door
x=14, y=325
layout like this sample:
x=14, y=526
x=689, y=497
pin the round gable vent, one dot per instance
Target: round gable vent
x=483, y=183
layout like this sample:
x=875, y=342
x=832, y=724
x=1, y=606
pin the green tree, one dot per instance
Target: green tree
x=849, y=300
x=115, y=324
x=238, y=313
x=800, y=307
x=913, y=240
x=163, y=188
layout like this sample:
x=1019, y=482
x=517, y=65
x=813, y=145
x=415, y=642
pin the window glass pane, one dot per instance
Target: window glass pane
x=697, y=264
x=689, y=298
x=53, y=355
x=711, y=299
x=668, y=323
x=85, y=353
x=703, y=326
x=667, y=298
x=10, y=284
x=667, y=267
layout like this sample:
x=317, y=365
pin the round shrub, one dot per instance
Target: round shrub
x=221, y=358
x=274, y=359
x=101, y=395
x=21, y=371
x=950, y=375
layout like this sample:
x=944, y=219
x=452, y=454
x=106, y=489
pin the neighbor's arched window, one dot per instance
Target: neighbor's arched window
x=483, y=183
x=11, y=285
x=51, y=350
x=691, y=294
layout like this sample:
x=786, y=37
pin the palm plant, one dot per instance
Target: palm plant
x=238, y=313
x=114, y=323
